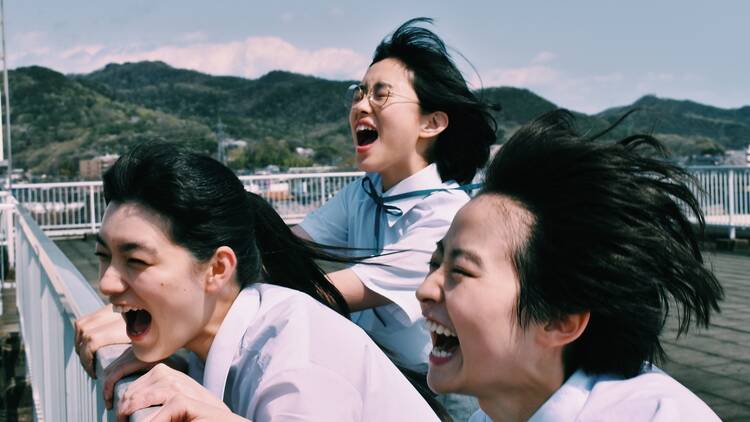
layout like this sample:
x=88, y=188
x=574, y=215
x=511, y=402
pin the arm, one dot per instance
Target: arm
x=357, y=295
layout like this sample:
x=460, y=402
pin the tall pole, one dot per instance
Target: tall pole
x=7, y=96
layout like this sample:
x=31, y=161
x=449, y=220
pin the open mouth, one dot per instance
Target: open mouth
x=366, y=135
x=137, y=321
x=444, y=342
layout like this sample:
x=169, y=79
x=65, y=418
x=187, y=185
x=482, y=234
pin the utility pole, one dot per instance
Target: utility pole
x=220, y=151
x=8, y=163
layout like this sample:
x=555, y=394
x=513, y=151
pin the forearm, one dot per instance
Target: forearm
x=357, y=295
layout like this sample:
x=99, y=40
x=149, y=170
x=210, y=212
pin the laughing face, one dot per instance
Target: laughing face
x=387, y=137
x=155, y=284
x=469, y=300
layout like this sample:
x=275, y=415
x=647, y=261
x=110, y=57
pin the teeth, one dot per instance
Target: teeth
x=440, y=353
x=442, y=330
x=362, y=127
x=121, y=309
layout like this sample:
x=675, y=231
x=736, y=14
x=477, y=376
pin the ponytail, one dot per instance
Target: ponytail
x=289, y=261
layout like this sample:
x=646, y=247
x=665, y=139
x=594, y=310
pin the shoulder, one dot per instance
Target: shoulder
x=479, y=416
x=652, y=395
x=301, y=328
x=442, y=204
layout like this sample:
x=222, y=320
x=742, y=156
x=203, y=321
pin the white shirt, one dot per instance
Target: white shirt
x=348, y=220
x=280, y=355
x=650, y=396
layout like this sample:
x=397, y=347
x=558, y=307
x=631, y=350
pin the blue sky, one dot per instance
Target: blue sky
x=584, y=55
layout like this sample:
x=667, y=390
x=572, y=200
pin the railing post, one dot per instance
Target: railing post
x=92, y=209
x=322, y=189
x=730, y=192
x=10, y=239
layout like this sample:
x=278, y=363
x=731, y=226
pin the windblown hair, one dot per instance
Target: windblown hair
x=610, y=235
x=207, y=206
x=463, y=147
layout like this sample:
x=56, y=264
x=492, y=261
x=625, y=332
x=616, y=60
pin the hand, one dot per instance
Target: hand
x=97, y=329
x=123, y=366
x=163, y=384
x=183, y=408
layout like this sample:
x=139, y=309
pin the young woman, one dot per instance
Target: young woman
x=191, y=260
x=419, y=132
x=548, y=294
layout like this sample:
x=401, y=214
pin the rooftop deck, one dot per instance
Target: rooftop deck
x=713, y=363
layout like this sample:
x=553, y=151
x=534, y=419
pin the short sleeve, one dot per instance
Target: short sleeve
x=308, y=394
x=406, y=259
x=328, y=224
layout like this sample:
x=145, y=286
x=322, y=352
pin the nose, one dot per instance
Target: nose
x=111, y=281
x=431, y=289
x=362, y=106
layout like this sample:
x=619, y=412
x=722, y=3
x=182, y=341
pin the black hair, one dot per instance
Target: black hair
x=207, y=206
x=610, y=234
x=463, y=147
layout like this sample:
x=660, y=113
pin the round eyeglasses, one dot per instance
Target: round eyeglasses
x=378, y=95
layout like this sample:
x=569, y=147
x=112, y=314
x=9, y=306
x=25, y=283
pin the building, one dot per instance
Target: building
x=94, y=168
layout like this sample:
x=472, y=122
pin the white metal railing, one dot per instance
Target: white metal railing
x=76, y=208
x=724, y=196
x=51, y=294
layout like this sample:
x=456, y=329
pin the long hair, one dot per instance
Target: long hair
x=611, y=235
x=463, y=147
x=207, y=207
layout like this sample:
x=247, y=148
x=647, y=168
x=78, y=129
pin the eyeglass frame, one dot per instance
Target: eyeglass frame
x=350, y=97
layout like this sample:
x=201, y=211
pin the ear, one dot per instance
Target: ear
x=433, y=124
x=565, y=330
x=221, y=269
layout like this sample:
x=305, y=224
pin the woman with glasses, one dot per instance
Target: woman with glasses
x=420, y=134
x=548, y=295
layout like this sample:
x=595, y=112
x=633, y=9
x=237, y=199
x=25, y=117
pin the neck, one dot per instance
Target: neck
x=201, y=344
x=522, y=401
x=392, y=176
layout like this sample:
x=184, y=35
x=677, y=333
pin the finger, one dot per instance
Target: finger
x=139, y=398
x=177, y=408
x=93, y=319
x=157, y=386
x=124, y=365
x=90, y=342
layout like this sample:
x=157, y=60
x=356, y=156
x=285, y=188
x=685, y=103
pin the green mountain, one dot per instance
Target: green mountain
x=58, y=120
x=686, y=127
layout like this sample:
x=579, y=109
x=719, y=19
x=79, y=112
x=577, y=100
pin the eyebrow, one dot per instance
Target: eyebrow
x=375, y=85
x=127, y=246
x=456, y=253
x=463, y=253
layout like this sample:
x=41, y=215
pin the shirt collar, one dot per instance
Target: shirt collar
x=568, y=401
x=427, y=178
x=227, y=340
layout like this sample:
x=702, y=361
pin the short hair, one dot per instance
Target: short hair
x=463, y=147
x=610, y=235
x=207, y=206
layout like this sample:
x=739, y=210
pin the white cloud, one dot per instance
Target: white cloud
x=250, y=58
x=527, y=76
